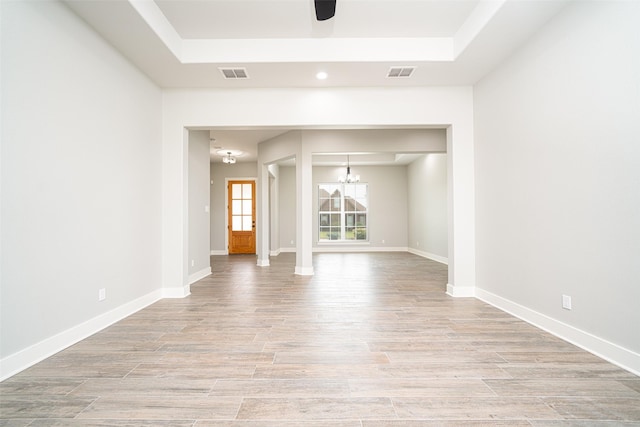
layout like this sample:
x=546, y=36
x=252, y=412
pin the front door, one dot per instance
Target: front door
x=242, y=217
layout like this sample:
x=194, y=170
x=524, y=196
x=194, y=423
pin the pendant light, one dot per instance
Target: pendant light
x=349, y=178
x=228, y=159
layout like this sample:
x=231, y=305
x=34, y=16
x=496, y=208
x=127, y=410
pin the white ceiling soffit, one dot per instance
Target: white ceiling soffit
x=302, y=47
x=365, y=159
x=354, y=159
x=287, y=19
x=183, y=43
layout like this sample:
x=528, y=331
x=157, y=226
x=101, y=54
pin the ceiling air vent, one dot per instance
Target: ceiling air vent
x=397, y=72
x=234, y=73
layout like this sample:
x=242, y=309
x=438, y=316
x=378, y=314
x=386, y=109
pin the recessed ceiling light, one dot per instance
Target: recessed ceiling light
x=322, y=75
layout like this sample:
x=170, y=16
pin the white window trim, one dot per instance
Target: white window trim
x=343, y=222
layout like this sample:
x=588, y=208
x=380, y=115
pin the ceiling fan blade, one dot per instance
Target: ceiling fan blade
x=325, y=9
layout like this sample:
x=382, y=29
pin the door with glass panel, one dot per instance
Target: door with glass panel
x=242, y=217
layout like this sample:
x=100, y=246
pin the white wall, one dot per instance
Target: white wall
x=81, y=193
x=387, y=216
x=375, y=140
x=274, y=210
x=199, y=216
x=418, y=192
x=558, y=177
x=287, y=208
x=219, y=173
x=427, y=206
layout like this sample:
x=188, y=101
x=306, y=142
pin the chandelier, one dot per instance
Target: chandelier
x=350, y=177
x=228, y=159
x=228, y=155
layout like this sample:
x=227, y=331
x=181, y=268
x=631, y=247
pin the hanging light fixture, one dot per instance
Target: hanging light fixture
x=228, y=159
x=349, y=178
x=228, y=155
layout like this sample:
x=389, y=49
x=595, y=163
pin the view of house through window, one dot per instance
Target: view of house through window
x=342, y=209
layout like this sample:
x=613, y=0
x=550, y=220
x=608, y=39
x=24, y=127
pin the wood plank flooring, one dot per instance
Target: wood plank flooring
x=369, y=340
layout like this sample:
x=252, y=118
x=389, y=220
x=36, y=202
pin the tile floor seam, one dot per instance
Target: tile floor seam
x=87, y=407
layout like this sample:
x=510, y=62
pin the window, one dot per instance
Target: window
x=342, y=212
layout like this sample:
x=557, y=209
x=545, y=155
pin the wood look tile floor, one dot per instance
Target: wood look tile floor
x=369, y=340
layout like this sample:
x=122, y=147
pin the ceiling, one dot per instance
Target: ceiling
x=245, y=140
x=185, y=43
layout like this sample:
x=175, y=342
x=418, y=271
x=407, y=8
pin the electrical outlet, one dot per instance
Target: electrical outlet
x=193, y=263
x=292, y=242
x=102, y=294
x=382, y=240
x=566, y=302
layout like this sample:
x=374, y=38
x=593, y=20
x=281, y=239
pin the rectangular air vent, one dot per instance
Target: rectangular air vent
x=396, y=72
x=234, y=73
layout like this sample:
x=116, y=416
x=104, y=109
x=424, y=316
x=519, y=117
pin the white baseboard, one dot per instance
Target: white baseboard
x=609, y=351
x=193, y=278
x=177, y=292
x=263, y=263
x=461, y=291
x=287, y=250
x=429, y=255
x=219, y=253
x=31, y=355
x=274, y=253
x=304, y=271
x=358, y=248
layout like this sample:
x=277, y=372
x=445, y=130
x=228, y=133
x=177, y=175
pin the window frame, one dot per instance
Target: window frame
x=329, y=221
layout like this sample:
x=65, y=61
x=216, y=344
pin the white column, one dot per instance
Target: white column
x=461, y=204
x=304, y=208
x=262, y=212
x=175, y=212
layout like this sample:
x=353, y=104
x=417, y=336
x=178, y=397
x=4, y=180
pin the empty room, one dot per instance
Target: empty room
x=350, y=213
